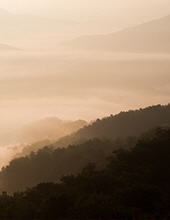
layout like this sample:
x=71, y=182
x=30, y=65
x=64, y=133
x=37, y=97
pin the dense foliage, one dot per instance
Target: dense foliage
x=122, y=125
x=48, y=165
x=133, y=185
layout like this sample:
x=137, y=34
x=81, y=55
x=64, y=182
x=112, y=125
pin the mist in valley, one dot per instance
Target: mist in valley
x=72, y=76
x=74, y=85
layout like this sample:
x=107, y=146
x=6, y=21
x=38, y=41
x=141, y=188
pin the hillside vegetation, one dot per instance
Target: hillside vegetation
x=122, y=125
x=51, y=128
x=48, y=165
x=40, y=133
x=133, y=185
x=92, y=143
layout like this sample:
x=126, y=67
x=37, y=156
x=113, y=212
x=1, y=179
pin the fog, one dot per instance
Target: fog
x=72, y=85
x=39, y=77
x=76, y=85
x=127, y=12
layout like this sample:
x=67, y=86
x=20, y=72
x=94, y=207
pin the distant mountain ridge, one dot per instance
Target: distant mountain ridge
x=36, y=135
x=153, y=37
x=4, y=13
x=4, y=47
x=19, y=28
x=50, y=128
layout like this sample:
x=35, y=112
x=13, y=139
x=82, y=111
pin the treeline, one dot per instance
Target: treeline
x=50, y=129
x=53, y=161
x=122, y=125
x=133, y=185
x=48, y=164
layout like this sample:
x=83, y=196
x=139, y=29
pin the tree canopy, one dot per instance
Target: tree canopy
x=133, y=185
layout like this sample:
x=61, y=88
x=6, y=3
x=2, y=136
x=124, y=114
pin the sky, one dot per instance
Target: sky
x=70, y=85
x=131, y=10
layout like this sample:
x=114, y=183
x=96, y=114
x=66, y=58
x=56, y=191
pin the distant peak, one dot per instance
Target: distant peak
x=4, y=47
x=4, y=12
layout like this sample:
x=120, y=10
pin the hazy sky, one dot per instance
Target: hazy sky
x=138, y=10
x=76, y=85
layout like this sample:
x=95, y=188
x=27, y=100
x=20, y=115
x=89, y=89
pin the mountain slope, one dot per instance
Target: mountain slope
x=133, y=185
x=50, y=164
x=50, y=128
x=122, y=125
x=34, y=136
x=16, y=29
x=153, y=36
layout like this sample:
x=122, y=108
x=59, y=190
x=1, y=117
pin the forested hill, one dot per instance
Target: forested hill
x=122, y=125
x=51, y=128
x=48, y=165
x=102, y=137
x=133, y=185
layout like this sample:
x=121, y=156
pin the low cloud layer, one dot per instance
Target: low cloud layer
x=80, y=85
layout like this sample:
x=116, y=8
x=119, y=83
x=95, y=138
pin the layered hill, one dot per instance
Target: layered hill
x=133, y=184
x=20, y=28
x=153, y=37
x=122, y=125
x=49, y=128
x=34, y=136
x=112, y=133
x=44, y=132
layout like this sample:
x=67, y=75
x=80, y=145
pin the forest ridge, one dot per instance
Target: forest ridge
x=84, y=113
x=91, y=144
x=134, y=184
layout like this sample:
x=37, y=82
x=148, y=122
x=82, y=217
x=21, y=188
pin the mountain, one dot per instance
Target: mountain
x=4, y=47
x=153, y=37
x=20, y=28
x=51, y=128
x=48, y=165
x=4, y=13
x=134, y=184
x=122, y=125
x=34, y=136
x=43, y=133
x=91, y=144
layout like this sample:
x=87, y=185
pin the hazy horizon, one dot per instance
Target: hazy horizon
x=34, y=23
x=84, y=109
x=63, y=85
x=44, y=79
x=132, y=10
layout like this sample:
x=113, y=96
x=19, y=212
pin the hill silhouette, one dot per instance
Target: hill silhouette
x=51, y=128
x=133, y=185
x=19, y=28
x=150, y=37
x=112, y=133
x=38, y=134
x=48, y=165
x=122, y=125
